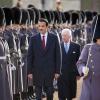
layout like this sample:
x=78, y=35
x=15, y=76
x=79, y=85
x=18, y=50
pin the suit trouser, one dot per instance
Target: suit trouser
x=48, y=90
x=64, y=91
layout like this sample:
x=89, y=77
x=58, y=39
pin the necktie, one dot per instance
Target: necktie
x=43, y=42
x=66, y=48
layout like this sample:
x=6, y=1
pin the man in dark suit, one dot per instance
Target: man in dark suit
x=70, y=54
x=43, y=60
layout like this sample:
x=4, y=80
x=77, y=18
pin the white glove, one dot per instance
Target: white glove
x=85, y=71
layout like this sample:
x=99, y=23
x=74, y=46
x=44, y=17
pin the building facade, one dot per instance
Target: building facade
x=93, y=5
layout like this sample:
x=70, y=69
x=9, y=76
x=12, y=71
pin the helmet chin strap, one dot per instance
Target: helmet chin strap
x=89, y=54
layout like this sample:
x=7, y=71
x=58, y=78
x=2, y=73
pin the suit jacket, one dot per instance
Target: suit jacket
x=69, y=60
x=43, y=63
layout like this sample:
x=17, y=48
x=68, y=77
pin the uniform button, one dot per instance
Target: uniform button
x=93, y=73
x=92, y=66
x=91, y=60
x=90, y=54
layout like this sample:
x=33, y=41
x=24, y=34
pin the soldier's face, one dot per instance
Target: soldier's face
x=42, y=27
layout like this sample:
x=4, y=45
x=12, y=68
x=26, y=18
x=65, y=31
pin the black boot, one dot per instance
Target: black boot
x=24, y=95
x=16, y=96
x=30, y=94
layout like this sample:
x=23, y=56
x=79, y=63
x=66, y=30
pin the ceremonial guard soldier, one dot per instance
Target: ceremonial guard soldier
x=89, y=65
x=5, y=93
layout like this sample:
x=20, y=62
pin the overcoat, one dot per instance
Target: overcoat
x=91, y=84
x=43, y=63
x=5, y=93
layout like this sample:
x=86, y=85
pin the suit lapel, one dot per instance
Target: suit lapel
x=48, y=42
x=39, y=42
x=63, y=49
x=70, y=48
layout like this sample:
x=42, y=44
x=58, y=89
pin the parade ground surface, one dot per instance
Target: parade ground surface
x=79, y=85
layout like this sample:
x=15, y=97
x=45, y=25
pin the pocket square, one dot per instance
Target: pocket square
x=74, y=52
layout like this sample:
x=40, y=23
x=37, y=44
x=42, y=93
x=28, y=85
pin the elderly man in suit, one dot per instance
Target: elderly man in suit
x=43, y=60
x=70, y=53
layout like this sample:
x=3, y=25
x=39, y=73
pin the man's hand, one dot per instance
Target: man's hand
x=30, y=76
x=78, y=77
x=57, y=76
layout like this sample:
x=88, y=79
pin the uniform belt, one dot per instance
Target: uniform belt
x=2, y=57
